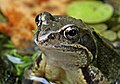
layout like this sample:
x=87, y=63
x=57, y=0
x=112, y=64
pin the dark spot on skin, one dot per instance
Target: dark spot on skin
x=38, y=60
x=96, y=82
x=37, y=34
x=101, y=79
x=87, y=77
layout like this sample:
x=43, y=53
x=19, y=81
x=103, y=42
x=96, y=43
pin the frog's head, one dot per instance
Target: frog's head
x=65, y=38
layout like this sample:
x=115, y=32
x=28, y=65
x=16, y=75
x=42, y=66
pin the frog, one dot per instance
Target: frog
x=71, y=52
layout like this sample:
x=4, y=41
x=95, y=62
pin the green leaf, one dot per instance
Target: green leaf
x=109, y=34
x=35, y=55
x=9, y=46
x=90, y=11
x=99, y=27
x=35, y=31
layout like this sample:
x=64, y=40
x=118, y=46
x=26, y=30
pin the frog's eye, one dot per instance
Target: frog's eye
x=38, y=20
x=71, y=33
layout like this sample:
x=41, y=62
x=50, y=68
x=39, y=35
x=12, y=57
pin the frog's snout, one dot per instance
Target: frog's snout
x=50, y=37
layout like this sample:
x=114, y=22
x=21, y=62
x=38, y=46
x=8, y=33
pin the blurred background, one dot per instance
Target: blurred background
x=17, y=25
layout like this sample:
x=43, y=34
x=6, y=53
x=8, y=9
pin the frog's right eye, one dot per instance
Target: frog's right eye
x=38, y=20
x=71, y=32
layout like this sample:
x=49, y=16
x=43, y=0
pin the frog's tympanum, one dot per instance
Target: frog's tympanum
x=72, y=53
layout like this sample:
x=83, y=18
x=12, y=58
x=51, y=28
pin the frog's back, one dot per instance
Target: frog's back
x=108, y=60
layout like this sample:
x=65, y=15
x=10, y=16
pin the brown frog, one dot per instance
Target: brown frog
x=71, y=53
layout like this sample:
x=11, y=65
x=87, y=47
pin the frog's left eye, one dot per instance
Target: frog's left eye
x=71, y=33
x=38, y=20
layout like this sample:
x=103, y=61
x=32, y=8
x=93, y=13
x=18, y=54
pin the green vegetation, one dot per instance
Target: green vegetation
x=90, y=11
x=109, y=34
x=35, y=31
x=99, y=27
x=13, y=63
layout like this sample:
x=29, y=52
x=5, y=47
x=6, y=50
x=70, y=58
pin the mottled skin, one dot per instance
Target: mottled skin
x=72, y=53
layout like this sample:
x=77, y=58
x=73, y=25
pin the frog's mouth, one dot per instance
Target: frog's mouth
x=63, y=47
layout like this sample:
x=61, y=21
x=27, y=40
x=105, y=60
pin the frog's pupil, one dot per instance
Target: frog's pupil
x=72, y=32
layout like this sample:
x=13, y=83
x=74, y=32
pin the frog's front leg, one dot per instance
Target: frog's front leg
x=53, y=73
x=42, y=72
x=61, y=76
x=93, y=75
x=35, y=73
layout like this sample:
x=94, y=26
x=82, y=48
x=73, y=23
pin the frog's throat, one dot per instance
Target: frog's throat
x=68, y=53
